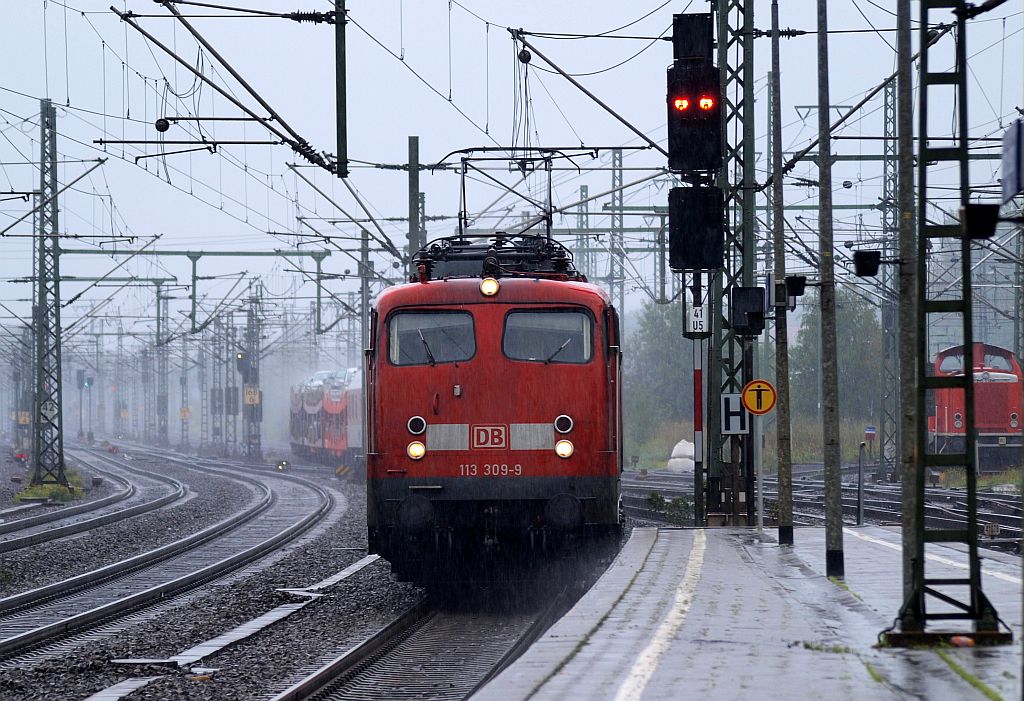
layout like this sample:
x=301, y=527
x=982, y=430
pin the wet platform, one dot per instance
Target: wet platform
x=727, y=614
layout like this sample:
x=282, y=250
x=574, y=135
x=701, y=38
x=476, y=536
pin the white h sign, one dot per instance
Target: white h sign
x=735, y=418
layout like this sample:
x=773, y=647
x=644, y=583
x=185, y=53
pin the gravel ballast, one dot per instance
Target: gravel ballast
x=349, y=612
x=212, y=498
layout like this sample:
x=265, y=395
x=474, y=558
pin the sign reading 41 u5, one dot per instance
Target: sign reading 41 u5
x=759, y=396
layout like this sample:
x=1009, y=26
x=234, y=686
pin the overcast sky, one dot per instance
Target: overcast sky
x=113, y=83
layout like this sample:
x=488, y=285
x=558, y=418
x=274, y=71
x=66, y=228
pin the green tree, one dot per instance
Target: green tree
x=658, y=372
x=859, y=344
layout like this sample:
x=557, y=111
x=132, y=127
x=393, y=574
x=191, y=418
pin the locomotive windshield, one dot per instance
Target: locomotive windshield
x=548, y=336
x=428, y=338
x=954, y=363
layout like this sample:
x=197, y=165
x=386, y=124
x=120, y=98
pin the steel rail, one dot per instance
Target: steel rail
x=105, y=519
x=167, y=588
x=391, y=633
x=66, y=511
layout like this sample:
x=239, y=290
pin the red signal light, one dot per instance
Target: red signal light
x=681, y=103
x=706, y=103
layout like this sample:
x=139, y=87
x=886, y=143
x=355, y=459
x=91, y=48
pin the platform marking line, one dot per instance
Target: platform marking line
x=647, y=662
x=935, y=558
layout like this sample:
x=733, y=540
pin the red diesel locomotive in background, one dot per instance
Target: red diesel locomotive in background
x=997, y=407
x=493, y=407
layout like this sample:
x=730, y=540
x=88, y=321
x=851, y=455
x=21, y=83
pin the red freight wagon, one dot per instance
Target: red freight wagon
x=493, y=407
x=997, y=407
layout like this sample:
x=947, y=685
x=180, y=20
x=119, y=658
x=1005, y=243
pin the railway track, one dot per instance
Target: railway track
x=944, y=508
x=274, y=517
x=42, y=528
x=429, y=652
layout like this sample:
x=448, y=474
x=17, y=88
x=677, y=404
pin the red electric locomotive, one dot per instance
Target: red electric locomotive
x=326, y=419
x=493, y=407
x=997, y=407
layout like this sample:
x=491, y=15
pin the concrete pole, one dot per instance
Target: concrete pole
x=829, y=371
x=908, y=294
x=782, y=420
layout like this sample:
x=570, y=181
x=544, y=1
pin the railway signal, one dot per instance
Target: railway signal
x=696, y=236
x=694, y=98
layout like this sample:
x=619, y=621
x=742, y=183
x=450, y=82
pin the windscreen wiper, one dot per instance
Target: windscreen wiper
x=560, y=349
x=426, y=347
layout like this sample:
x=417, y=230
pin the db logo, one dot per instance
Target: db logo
x=490, y=436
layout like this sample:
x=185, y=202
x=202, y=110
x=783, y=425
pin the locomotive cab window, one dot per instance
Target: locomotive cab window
x=997, y=361
x=562, y=336
x=428, y=338
x=952, y=363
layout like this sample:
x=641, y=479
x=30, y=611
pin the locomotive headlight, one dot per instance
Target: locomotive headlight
x=489, y=287
x=1013, y=419
x=957, y=423
x=416, y=425
x=416, y=450
x=563, y=448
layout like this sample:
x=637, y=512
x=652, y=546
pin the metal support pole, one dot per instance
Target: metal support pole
x=829, y=372
x=699, y=350
x=889, y=438
x=860, y=484
x=964, y=594
x=414, y=242
x=729, y=456
x=252, y=404
x=617, y=283
x=48, y=433
x=184, y=410
x=194, y=257
x=230, y=388
x=100, y=382
x=580, y=256
x=661, y=273
x=340, y=20
x=120, y=404
x=162, y=370
x=364, y=289
x=204, y=396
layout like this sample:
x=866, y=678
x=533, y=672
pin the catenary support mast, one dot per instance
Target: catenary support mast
x=47, y=422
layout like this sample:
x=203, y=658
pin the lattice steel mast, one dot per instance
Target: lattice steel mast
x=955, y=598
x=253, y=408
x=889, y=438
x=730, y=357
x=48, y=433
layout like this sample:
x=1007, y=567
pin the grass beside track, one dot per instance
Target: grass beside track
x=55, y=492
